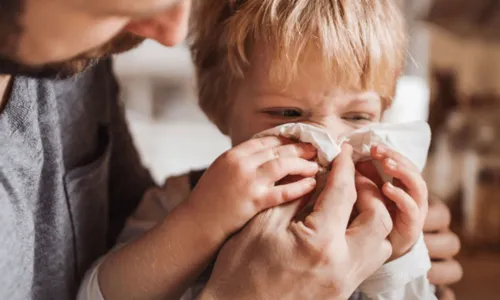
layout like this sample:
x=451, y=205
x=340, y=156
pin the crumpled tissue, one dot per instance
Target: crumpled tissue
x=412, y=140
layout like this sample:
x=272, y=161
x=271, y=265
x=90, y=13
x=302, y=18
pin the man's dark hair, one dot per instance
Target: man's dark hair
x=10, y=24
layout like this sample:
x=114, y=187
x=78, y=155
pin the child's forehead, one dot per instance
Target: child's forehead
x=308, y=75
x=311, y=75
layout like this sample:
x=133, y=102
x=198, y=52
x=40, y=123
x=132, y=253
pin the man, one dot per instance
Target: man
x=69, y=174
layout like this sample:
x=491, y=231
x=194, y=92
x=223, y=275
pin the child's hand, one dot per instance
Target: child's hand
x=242, y=182
x=408, y=192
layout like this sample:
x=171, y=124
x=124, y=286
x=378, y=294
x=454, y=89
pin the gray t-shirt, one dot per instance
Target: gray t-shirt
x=69, y=177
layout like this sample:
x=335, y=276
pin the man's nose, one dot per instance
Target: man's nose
x=168, y=28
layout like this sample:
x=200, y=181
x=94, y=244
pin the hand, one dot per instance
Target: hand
x=408, y=195
x=242, y=182
x=278, y=257
x=443, y=245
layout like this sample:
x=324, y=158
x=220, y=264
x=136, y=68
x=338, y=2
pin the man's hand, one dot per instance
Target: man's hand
x=242, y=182
x=443, y=245
x=278, y=257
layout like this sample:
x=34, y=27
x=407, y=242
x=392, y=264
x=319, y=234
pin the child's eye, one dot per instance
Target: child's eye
x=358, y=117
x=285, y=113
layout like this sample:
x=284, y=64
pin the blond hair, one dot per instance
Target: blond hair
x=362, y=44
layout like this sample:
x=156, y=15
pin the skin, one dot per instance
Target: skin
x=69, y=32
x=261, y=103
x=190, y=236
x=4, y=85
x=330, y=259
x=57, y=30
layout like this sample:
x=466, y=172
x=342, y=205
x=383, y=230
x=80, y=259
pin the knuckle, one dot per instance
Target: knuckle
x=259, y=193
x=273, y=198
x=273, y=167
x=231, y=157
x=318, y=247
x=281, y=195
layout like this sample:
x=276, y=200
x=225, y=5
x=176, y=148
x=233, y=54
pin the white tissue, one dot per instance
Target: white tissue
x=412, y=140
x=320, y=139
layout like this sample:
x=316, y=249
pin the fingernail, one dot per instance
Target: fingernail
x=391, y=163
x=390, y=186
x=311, y=181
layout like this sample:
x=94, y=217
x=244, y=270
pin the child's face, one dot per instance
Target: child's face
x=261, y=104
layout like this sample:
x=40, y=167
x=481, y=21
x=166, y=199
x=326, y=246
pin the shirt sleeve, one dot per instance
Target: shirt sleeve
x=153, y=208
x=402, y=279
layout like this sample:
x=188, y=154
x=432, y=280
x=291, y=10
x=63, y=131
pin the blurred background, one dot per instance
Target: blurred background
x=452, y=80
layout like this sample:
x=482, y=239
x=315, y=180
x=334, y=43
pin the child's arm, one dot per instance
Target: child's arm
x=152, y=210
x=161, y=263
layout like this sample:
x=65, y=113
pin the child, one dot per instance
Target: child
x=329, y=63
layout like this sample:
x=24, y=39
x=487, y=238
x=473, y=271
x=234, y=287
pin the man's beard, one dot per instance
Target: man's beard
x=122, y=42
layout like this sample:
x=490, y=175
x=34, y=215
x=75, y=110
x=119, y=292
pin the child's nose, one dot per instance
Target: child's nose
x=333, y=126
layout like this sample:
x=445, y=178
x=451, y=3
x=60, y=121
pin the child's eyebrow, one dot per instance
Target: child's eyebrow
x=281, y=94
x=366, y=97
x=374, y=100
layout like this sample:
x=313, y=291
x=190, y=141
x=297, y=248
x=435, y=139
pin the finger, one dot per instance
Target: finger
x=410, y=212
x=438, y=217
x=289, y=192
x=442, y=245
x=374, y=219
x=334, y=205
x=296, y=150
x=381, y=152
x=412, y=181
x=445, y=293
x=445, y=272
x=259, y=144
x=277, y=169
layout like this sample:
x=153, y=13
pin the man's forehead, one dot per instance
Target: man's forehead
x=127, y=8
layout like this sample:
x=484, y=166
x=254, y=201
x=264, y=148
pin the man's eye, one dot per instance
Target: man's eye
x=285, y=113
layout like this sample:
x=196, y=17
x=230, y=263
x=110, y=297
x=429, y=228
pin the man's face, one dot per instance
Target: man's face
x=46, y=38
